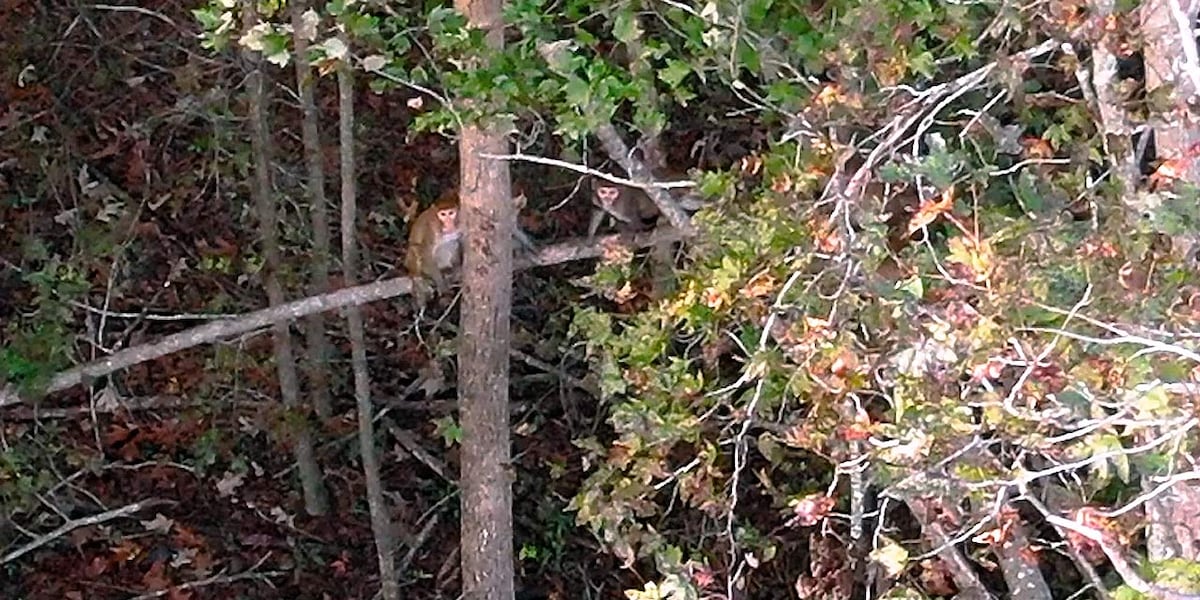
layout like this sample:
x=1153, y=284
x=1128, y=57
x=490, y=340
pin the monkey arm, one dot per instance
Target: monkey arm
x=597, y=218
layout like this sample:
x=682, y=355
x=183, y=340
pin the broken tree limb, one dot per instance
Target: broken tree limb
x=73, y=524
x=571, y=250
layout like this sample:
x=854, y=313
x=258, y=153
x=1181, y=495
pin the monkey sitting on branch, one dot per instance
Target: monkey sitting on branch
x=434, y=249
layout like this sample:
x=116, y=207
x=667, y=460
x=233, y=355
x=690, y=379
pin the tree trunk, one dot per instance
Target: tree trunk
x=381, y=525
x=317, y=369
x=488, y=219
x=1171, y=59
x=315, y=501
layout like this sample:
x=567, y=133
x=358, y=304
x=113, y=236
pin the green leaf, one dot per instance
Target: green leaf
x=914, y=287
x=449, y=429
x=577, y=93
x=626, y=28
x=675, y=72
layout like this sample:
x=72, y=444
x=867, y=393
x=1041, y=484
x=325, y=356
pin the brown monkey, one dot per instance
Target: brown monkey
x=435, y=241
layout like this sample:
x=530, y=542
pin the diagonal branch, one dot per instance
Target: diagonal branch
x=571, y=250
x=73, y=524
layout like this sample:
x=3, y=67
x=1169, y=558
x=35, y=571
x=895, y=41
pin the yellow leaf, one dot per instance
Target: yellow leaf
x=891, y=556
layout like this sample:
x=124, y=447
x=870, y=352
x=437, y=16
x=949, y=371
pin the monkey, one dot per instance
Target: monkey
x=435, y=242
x=435, y=239
x=631, y=206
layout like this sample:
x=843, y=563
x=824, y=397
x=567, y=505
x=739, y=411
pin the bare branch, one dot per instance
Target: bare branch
x=74, y=524
x=1119, y=562
x=584, y=170
x=251, y=573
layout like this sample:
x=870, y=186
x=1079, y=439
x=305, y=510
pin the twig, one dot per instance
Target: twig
x=960, y=569
x=1151, y=346
x=215, y=580
x=585, y=170
x=1150, y=495
x=406, y=440
x=416, y=545
x=30, y=413
x=1026, y=477
x=150, y=317
x=74, y=524
x=136, y=9
x=1119, y=562
x=542, y=365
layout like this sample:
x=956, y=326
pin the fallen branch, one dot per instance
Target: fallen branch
x=74, y=524
x=568, y=251
x=250, y=573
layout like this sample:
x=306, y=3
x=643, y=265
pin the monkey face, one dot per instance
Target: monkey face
x=607, y=195
x=448, y=217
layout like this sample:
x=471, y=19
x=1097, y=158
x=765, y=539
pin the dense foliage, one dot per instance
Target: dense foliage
x=923, y=322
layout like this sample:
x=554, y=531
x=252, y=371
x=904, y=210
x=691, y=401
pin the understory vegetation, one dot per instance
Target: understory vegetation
x=936, y=329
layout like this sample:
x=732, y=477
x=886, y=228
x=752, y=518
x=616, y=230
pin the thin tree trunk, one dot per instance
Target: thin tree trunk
x=381, y=524
x=315, y=501
x=317, y=370
x=488, y=219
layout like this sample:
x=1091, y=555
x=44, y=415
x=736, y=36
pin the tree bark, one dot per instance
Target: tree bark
x=381, y=525
x=315, y=501
x=488, y=219
x=1171, y=58
x=317, y=369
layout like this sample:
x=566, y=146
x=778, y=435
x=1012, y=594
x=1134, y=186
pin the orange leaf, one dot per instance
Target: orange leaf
x=811, y=509
x=762, y=284
x=930, y=210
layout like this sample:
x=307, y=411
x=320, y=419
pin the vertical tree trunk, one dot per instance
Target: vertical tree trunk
x=317, y=369
x=488, y=219
x=315, y=501
x=1171, y=58
x=381, y=524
